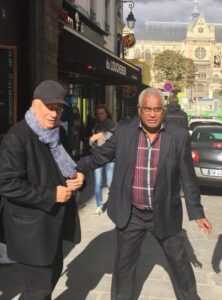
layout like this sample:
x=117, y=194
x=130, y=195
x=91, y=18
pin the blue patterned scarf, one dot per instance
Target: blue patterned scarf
x=51, y=137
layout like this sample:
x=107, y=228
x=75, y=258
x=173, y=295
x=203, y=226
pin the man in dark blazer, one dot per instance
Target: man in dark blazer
x=150, y=163
x=37, y=184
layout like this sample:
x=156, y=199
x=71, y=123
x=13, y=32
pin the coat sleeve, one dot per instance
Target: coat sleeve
x=14, y=183
x=99, y=155
x=189, y=183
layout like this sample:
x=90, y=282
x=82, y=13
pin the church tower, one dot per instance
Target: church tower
x=196, y=10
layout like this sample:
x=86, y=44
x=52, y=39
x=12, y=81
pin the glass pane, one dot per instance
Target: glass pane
x=7, y=93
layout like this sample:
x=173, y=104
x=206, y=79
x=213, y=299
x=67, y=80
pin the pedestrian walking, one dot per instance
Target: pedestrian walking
x=175, y=116
x=102, y=131
x=150, y=163
x=73, y=129
x=37, y=181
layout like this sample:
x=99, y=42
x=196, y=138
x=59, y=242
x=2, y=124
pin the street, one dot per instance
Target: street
x=88, y=267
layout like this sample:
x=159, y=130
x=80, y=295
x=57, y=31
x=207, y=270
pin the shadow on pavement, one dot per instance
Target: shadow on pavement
x=190, y=252
x=217, y=255
x=86, y=271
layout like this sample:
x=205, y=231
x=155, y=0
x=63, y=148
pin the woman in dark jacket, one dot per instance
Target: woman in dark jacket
x=102, y=131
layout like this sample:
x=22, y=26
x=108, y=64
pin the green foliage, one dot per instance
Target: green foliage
x=173, y=66
x=206, y=114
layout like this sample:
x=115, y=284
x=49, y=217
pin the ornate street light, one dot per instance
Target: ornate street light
x=131, y=20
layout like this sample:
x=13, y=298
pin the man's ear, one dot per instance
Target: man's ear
x=33, y=104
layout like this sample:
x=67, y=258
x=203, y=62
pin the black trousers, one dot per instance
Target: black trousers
x=129, y=242
x=39, y=281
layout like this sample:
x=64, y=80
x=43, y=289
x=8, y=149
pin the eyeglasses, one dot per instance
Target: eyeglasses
x=148, y=110
x=55, y=107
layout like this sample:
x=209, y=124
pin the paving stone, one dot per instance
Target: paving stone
x=88, y=267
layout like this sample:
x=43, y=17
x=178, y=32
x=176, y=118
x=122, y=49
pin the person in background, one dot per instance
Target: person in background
x=73, y=129
x=150, y=164
x=102, y=131
x=175, y=117
x=38, y=179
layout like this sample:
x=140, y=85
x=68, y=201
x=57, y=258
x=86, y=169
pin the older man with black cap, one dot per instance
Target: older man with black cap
x=37, y=181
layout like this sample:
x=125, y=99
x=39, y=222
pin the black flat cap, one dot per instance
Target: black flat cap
x=50, y=91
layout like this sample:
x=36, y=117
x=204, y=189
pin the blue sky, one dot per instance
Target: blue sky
x=173, y=10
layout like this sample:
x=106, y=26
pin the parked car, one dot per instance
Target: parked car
x=206, y=144
x=194, y=122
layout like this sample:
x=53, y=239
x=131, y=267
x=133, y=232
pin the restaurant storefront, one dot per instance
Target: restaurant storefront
x=35, y=47
x=12, y=62
x=90, y=69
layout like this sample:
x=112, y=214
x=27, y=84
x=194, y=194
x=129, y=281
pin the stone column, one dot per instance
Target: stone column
x=43, y=41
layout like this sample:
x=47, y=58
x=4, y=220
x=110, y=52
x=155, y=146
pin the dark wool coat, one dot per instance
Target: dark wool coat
x=33, y=223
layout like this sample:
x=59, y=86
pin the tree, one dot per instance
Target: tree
x=173, y=66
x=146, y=74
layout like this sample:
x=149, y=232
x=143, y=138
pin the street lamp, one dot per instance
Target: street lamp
x=131, y=20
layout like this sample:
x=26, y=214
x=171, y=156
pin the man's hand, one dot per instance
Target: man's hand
x=63, y=194
x=204, y=225
x=97, y=137
x=75, y=183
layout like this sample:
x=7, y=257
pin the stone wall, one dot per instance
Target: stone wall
x=44, y=36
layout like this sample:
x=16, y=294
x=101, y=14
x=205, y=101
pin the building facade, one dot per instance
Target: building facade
x=73, y=41
x=199, y=40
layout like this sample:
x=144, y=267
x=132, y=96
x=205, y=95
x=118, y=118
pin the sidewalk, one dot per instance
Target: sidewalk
x=88, y=267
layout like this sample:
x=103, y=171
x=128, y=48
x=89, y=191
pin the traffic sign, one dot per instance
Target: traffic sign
x=168, y=87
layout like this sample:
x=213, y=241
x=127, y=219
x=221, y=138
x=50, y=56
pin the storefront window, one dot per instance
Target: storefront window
x=7, y=87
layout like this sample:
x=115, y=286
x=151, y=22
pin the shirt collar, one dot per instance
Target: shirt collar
x=162, y=127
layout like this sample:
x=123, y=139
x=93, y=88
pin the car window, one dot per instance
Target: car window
x=205, y=136
x=217, y=136
x=195, y=124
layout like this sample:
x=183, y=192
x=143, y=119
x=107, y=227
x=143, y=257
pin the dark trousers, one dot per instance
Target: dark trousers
x=129, y=241
x=39, y=281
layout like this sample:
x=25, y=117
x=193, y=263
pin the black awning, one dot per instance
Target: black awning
x=78, y=55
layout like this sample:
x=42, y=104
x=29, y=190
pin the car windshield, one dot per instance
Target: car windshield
x=205, y=135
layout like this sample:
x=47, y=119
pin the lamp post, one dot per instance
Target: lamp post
x=131, y=20
x=128, y=38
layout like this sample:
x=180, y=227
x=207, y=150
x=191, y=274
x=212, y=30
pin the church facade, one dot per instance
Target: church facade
x=199, y=40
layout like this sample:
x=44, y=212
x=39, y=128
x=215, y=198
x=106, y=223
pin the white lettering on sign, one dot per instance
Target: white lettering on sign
x=115, y=67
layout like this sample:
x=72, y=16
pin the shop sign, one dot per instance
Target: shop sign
x=116, y=67
x=128, y=40
x=65, y=18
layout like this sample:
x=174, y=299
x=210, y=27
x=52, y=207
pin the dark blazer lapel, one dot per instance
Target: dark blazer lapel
x=44, y=149
x=131, y=145
x=164, y=150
